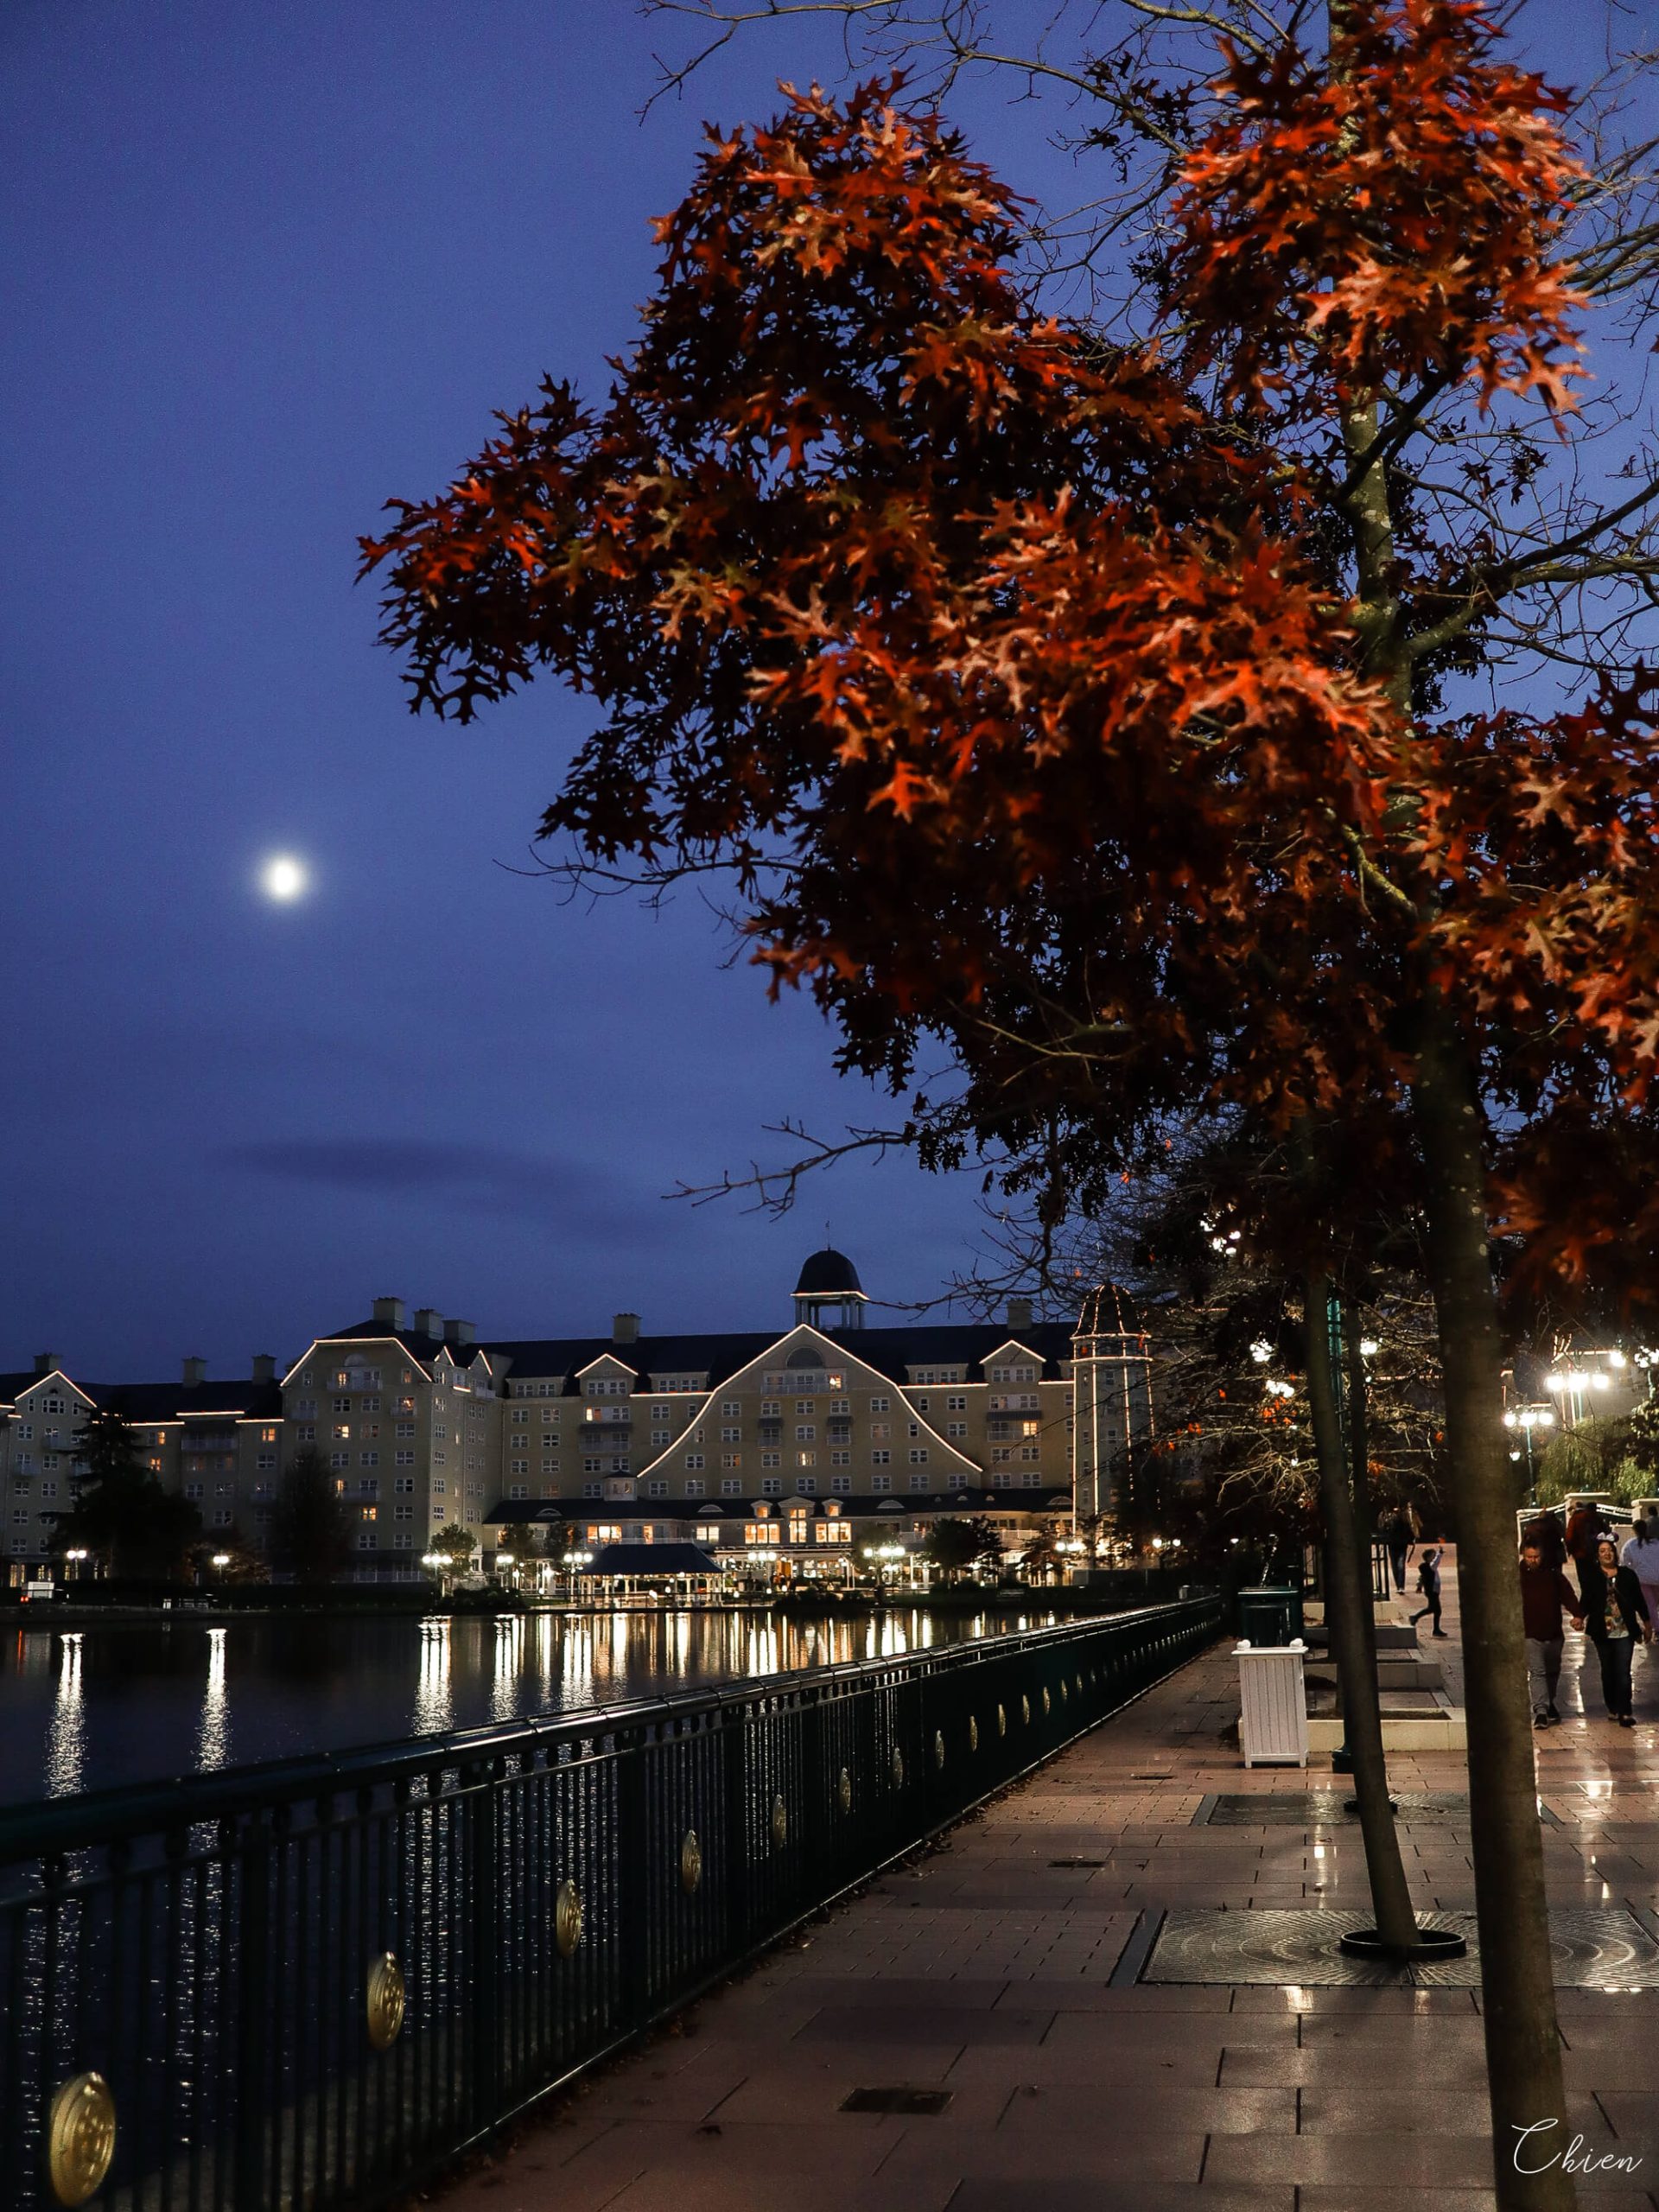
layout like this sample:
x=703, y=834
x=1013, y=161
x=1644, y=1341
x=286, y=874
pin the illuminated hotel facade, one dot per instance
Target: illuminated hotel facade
x=785, y=1450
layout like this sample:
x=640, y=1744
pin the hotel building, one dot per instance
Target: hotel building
x=783, y=1450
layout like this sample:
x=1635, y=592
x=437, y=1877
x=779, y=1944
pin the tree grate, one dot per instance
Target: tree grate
x=1607, y=1949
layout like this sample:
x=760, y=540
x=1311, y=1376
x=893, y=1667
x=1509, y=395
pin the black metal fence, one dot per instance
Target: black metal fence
x=305, y=1983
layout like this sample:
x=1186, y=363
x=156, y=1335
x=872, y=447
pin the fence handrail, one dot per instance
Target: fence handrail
x=216, y=1996
x=43, y=1827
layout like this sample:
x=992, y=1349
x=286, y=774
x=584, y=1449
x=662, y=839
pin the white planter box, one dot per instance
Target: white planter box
x=1272, y=1704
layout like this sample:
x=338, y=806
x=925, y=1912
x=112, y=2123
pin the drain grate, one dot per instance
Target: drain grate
x=922, y=2104
x=1078, y=1862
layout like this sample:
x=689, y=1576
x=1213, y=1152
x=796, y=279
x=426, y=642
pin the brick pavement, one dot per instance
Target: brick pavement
x=986, y=1970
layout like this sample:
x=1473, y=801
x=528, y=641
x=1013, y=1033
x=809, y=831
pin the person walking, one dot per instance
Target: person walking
x=1641, y=1555
x=1583, y=1530
x=1396, y=1535
x=1428, y=1581
x=1546, y=1531
x=1616, y=1614
x=1546, y=1594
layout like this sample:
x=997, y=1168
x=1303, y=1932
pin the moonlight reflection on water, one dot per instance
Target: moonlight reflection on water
x=88, y=1709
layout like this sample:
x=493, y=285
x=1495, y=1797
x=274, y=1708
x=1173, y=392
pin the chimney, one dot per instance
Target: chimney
x=45, y=1363
x=625, y=1328
x=463, y=1333
x=264, y=1367
x=429, y=1322
x=1019, y=1313
x=195, y=1372
x=389, y=1311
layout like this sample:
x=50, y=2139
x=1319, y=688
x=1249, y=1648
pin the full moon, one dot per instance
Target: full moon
x=282, y=877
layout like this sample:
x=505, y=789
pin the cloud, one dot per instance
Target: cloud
x=579, y=1194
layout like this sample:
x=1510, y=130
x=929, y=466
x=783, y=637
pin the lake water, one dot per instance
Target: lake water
x=92, y=1708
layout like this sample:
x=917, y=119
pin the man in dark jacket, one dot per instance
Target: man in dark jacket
x=1544, y=1531
x=1546, y=1594
x=1396, y=1535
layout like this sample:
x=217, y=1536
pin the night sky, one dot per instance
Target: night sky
x=268, y=263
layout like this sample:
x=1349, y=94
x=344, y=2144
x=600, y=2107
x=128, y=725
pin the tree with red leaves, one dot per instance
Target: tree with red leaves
x=1079, y=698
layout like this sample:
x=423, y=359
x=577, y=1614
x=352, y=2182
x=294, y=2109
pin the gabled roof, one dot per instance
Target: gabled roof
x=148, y=1402
x=169, y=1401
x=650, y=1559
x=421, y=1348
x=893, y=1352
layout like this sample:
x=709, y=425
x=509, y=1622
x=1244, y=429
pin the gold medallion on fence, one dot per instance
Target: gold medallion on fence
x=779, y=1823
x=938, y=1747
x=898, y=1768
x=1025, y=1710
x=384, y=2001
x=844, y=1791
x=1048, y=1706
x=567, y=1918
x=973, y=1732
x=1002, y=1720
x=690, y=1862
x=79, y=2138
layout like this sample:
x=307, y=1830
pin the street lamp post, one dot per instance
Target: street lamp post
x=1526, y=1419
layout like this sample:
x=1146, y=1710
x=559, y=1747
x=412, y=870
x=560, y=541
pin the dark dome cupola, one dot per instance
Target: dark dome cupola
x=828, y=1280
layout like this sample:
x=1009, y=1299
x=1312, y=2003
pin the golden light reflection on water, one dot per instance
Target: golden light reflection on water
x=510, y=1639
x=66, y=1698
x=576, y=1665
x=434, y=1703
x=545, y=1674
x=213, y=1736
x=762, y=1655
x=66, y=1737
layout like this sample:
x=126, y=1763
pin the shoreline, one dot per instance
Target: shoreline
x=193, y=1609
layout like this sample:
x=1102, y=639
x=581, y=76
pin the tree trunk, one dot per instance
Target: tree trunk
x=1353, y=1642
x=1523, y=2051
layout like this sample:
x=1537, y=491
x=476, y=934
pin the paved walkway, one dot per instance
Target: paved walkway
x=986, y=1969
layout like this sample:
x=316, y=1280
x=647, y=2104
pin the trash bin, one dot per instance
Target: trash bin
x=1272, y=1705
x=1271, y=1614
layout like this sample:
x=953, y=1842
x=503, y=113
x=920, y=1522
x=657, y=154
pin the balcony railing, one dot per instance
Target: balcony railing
x=309, y=1984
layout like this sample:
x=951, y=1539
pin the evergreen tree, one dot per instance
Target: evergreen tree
x=121, y=1514
x=311, y=1526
